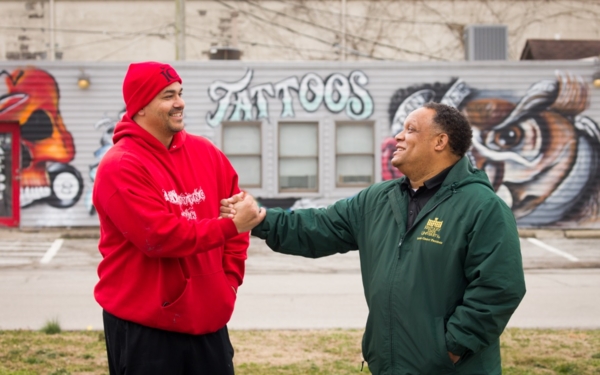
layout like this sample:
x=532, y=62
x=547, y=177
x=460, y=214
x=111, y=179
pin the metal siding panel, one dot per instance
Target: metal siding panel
x=82, y=109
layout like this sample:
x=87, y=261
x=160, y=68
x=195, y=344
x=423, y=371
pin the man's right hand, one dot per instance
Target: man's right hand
x=244, y=211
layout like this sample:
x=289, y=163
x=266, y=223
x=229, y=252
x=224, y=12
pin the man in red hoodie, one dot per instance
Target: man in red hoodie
x=170, y=268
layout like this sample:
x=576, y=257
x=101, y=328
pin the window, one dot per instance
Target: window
x=241, y=144
x=298, y=156
x=355, y=159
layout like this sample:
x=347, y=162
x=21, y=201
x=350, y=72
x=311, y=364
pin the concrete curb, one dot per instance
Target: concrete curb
x=67, y=233
x=559, y=233
x=94, y=232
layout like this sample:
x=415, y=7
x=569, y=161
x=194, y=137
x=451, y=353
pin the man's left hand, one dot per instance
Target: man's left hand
x=226, y=210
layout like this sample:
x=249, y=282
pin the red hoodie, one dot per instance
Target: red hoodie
x=168, y=262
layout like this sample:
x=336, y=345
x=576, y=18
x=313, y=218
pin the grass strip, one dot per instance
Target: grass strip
x=302, y=352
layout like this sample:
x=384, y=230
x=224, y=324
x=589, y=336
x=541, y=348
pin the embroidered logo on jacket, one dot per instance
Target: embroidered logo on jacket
x=186, y=201
x=431, y=230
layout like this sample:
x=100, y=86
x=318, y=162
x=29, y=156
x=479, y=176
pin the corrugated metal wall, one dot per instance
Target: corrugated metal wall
x=488, y=82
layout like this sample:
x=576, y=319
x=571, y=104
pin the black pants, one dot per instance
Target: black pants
x=134, y=349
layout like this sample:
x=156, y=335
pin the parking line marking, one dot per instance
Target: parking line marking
x=56, y=245
x=551, y=249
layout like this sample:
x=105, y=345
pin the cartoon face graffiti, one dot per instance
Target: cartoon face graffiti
x=540, y=154
x=32, y=101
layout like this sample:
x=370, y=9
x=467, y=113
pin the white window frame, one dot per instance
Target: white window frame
x=258, y=154
x=280, y=157
x=341, y=184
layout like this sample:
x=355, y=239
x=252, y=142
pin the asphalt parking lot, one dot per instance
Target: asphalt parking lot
x=50, y=274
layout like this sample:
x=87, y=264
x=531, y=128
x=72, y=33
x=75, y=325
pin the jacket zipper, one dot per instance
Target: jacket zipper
x=397, y=264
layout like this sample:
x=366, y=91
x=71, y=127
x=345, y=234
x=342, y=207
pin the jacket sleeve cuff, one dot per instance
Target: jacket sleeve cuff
x=262, y=230
x=454, y=347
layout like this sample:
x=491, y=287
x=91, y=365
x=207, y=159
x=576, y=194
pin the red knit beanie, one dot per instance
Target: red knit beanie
x=144, y=81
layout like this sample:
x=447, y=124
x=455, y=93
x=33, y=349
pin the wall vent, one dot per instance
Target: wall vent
x=486, y=42
x=224, y=53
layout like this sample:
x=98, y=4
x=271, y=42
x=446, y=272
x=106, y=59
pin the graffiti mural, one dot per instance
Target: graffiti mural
x=107, y=126
x=46, y=144
x=541, y=155
x=237, y=101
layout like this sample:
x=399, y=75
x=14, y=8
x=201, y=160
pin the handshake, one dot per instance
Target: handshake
x=244, y=211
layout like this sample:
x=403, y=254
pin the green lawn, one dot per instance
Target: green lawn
x=319, y=352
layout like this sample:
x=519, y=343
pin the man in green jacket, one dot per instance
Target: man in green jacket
x=440, y=255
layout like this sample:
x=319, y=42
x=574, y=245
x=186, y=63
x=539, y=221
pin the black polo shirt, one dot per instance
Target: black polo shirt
x=419, y=198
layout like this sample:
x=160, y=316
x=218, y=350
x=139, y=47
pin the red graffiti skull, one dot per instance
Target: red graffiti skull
x=32, y=102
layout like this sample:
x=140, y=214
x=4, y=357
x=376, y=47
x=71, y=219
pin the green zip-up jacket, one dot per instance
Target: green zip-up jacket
x=449, y=283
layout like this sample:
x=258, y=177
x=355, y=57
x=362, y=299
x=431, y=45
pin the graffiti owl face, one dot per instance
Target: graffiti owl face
x=525, y=158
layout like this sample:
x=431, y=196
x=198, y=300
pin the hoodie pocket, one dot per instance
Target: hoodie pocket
x=205, y=305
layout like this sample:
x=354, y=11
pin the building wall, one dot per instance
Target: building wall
x=409, y=30
x=536, y=126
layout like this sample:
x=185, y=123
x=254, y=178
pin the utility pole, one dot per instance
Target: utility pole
x=343, y=30
x=234, y=29
x=179, y=29
x=52, y=31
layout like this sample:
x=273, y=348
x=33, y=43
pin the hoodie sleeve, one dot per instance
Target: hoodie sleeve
x=496, y=283
x=135, y=205
x=236, y=247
